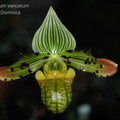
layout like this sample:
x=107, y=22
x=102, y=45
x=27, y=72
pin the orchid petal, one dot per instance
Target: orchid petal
x=83, y=60
x=25, y=66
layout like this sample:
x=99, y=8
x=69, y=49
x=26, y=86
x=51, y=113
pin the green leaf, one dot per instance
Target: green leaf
x=53, y=36
x=25, y=66
x=84, y=61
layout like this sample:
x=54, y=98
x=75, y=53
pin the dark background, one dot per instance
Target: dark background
x=96, y=26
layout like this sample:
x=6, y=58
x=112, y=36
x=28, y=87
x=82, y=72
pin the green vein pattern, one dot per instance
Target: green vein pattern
x=53, y=36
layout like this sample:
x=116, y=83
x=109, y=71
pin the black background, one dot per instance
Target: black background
x=95, y=25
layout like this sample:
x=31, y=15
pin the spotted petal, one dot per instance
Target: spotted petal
x=25, y=66
x=52, y=36
x=84, y=61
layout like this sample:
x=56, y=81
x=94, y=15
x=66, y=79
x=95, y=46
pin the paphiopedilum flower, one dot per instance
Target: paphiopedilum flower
x=53, y=47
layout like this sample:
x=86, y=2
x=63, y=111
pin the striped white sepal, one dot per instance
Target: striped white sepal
x=52, y=36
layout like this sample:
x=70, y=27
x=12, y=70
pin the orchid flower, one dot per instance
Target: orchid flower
x=54, y=51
